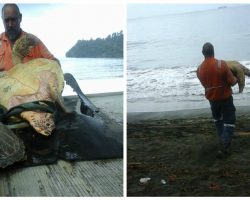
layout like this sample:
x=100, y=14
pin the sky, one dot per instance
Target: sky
x=61, y=25
x=147, y=10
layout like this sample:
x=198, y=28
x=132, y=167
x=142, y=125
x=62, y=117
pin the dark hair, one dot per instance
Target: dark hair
x=208, y=50
x=12, y=5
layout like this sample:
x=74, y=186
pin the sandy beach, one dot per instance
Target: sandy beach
x=176, y=152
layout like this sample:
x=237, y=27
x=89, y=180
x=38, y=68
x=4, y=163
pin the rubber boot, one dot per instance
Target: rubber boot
x=226, y=138
x=219, y=127
x=227, y=135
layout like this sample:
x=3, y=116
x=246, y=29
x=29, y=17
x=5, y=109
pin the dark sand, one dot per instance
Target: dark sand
x=180, y=148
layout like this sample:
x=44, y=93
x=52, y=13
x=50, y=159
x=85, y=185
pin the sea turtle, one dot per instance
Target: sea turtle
x=23, y=46
x=37, y=80
x=12, y=148
x=239, y=71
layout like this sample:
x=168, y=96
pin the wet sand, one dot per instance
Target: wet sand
x=177, y=151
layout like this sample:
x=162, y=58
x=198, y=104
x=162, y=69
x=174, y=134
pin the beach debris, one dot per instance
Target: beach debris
x=144, y=180
x=134, y=165
x=163, y=181
x=241, y=133
x=214, y=186
x=172, y=178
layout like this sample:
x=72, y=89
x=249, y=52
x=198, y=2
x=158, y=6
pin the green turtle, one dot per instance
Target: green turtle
x=239, y=72
x=37, y=80
x=23, y=46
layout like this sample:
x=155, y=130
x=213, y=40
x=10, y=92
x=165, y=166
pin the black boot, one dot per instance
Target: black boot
x=219, y=127
x=226, y=138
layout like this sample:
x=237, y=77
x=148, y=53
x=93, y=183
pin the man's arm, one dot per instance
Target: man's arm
x=41, y=51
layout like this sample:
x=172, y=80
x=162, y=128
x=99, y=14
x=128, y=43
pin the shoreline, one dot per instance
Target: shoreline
x=171, y=105
x=97, y=94
x=180, y=114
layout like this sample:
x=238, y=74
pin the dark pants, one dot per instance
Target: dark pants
x=223, y=112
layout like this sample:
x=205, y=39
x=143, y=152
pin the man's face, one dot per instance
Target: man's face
x=11, y=20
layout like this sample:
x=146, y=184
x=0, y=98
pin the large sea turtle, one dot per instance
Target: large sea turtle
x=240, y=71
x=37, y=80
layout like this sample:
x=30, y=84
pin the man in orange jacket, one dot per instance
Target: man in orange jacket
x=217, y=79
x=28, y=48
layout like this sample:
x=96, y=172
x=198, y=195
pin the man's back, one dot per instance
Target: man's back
x=216, y=78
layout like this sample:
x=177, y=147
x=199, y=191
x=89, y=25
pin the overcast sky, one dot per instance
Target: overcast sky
x=59, y=26
x=147, y=10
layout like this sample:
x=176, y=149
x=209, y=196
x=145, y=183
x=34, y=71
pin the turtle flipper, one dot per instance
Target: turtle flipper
x=86, y=106
x=12, y=148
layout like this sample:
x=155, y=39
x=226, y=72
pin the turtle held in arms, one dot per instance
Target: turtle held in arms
x=239, y=71
x=34, y=81
x=37, y=80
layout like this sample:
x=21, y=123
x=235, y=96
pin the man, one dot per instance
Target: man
x=15, y=44
x=217, y=79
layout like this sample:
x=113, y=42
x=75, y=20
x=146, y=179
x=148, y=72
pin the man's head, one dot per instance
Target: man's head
x=208, y=50
x=12, y=18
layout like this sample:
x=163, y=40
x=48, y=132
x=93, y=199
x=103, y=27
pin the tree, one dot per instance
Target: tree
x=110, y=47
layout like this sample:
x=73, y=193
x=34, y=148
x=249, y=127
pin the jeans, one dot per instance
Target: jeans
x=223, y=112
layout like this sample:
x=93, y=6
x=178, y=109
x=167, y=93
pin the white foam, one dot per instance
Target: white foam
x=161, y=89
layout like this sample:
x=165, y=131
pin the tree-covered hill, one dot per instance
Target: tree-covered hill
x=110, y=47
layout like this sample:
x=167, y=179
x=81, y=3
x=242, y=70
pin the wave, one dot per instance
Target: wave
x=176, y=83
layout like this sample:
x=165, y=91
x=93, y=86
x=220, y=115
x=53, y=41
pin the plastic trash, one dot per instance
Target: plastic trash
x=145, y=180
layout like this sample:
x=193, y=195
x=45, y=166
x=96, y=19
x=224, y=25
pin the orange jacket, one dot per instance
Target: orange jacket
x=216, y=78
x=6, y=62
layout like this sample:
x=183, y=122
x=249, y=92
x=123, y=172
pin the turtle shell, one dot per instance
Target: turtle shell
x=12, y=148
x=37, y=80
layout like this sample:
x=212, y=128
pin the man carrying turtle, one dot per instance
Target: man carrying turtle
x=18, y=48
x=217, y=79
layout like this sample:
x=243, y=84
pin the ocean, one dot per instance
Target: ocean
x=94, y=75
x=163, y=51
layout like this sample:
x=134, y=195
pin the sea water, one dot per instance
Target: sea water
x=94, y=75
x=163, y=52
